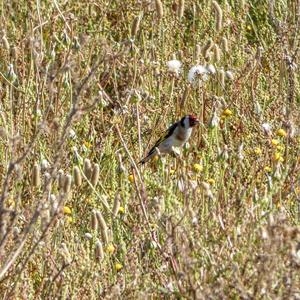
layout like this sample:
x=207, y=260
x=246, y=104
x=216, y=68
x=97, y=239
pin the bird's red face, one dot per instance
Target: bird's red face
x=193, y=121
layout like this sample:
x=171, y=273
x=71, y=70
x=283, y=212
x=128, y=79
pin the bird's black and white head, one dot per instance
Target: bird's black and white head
x=189, y=121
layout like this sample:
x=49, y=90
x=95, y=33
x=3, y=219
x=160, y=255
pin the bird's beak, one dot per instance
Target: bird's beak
x=196, y=122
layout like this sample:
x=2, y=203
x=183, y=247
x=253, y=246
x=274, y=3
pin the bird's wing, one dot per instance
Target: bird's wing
x=166, y=135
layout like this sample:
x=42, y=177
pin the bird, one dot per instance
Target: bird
x=175, y=136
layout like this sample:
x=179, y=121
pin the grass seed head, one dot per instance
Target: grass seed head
x=99, y=253
x=221, y=76
x=61, y=179
x=87, y=168
x=77, y=176
x=219, y=15
x=217, y=53
x=94, y=221
x=225, y=45
x=67, y=183
x=36, y=176
x=181, y=9
x=103, y=227
x=207, y=48
x=159, y=9
x=95, y=175
x=116, y=206
x=5, y=43
x=135, y=26
x=197, y=53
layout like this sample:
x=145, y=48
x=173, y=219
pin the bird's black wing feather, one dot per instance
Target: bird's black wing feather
x=167, y=134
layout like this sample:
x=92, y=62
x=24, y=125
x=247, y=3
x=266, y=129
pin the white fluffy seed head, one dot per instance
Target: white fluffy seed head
x=174, y=66
x=197, y=71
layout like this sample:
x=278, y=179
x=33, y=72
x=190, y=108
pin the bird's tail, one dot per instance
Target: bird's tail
x=145, y=159
x=148, y=157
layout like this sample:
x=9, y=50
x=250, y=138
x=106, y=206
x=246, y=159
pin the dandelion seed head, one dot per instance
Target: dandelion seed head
x=197, y=71
x=174, y=66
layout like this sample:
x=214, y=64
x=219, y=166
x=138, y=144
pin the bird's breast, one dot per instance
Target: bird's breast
x=182, y=135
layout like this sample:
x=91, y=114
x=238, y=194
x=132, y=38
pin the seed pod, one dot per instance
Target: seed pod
x=103, y=227
x=87, y=168
x=94, y=221
x=99, y=253
x=225, y=44
x=36, y=177
x=67, y=183
x=135, y=26
x=77, y=176
x=217, y=52
x=159, y=8
x=116, y=206
x=219, y=15
x=181, y=9
x=206, y=49
x=95, y=175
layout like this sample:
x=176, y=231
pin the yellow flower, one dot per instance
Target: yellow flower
x=87, y=144
x=278, y=205
x=281, y=132
x=153, y=225
x=67, y=210
x=257, y=151
x=249, y=28
x=117, y=120
x=121, y=210
x=197, y=168
x=280, y=148
x=211, y=181
x=118, y=267
x=227, y=112
x=275, y=142
x=70, y=220
x=172, y=171
x=278, y=157
x=131, y=178
x=156, y=158
x=111, y=249
x=268, y=169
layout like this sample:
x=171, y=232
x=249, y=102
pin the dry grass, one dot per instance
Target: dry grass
x=85, y=90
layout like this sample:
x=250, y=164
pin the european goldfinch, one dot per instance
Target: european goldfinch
x=176, y=136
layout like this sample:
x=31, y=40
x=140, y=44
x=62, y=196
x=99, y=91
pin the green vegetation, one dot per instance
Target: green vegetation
x=86, y=89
